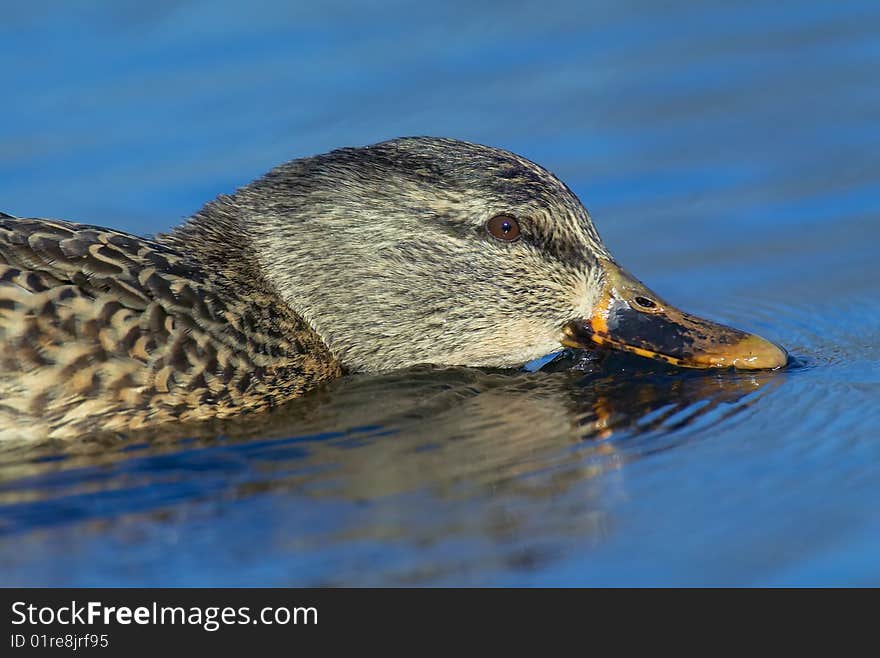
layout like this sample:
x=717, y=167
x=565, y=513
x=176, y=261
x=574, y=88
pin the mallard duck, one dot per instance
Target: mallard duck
x=415, y=250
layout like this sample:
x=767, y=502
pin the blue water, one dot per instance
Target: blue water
x=730, y=155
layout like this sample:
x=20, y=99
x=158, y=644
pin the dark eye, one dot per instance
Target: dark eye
x=644, y=302
x=503, y=227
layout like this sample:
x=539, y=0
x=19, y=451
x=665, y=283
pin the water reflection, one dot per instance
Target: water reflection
x=453, y=433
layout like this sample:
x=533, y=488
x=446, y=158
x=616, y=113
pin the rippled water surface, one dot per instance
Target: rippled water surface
x=730, y=155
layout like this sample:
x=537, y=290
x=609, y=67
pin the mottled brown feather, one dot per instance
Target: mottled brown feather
x=106, y=330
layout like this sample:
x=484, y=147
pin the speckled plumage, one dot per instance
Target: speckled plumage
x=106, y=330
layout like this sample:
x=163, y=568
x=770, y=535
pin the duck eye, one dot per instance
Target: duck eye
x=503, y=227
x=644, y=302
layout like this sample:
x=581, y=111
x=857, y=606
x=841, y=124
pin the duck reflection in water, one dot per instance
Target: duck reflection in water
x=373, y=435
x=422, y=456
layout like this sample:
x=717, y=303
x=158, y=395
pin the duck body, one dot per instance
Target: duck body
x=412, y=251
x=101, y=329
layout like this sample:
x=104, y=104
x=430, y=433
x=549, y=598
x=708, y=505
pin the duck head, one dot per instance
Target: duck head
x=426, y=250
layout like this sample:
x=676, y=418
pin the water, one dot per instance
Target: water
x=730, y=154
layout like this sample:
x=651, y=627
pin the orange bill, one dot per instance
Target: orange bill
x=629, y=317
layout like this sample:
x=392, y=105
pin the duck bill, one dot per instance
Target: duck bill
x=629, y=317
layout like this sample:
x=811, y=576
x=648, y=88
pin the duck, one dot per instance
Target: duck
x=417, y=250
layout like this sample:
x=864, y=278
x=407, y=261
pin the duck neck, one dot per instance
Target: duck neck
x=272, y=337
x=216, y=239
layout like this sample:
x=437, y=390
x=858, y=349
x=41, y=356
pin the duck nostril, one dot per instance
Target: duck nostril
x=644, y=302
